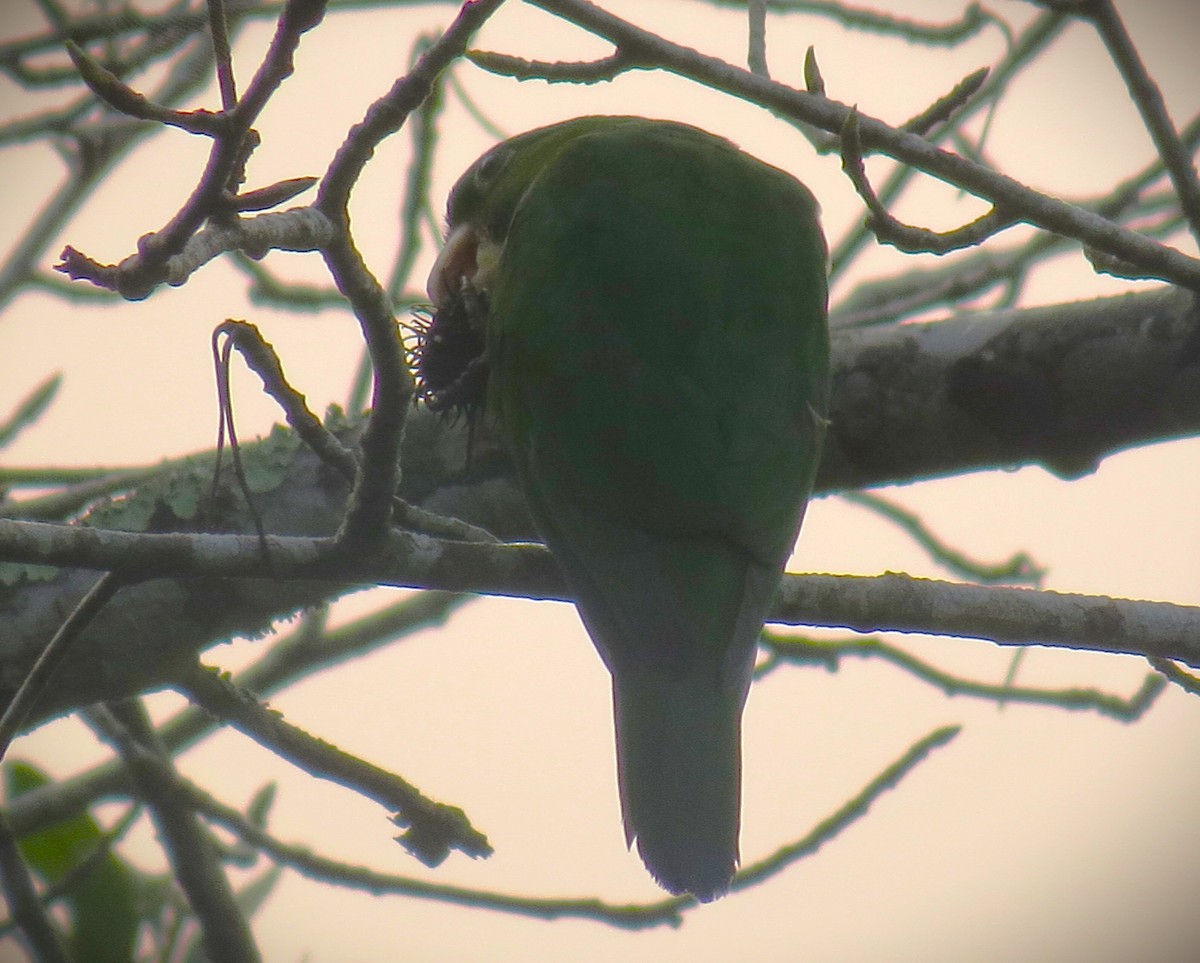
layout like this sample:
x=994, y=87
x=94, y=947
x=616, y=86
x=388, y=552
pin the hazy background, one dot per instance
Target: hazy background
x=1038, y=835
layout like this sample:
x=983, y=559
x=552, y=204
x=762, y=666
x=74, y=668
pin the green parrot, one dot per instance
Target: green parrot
x=640, y=307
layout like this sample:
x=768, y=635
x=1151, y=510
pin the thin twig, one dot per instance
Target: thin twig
x=139, y=274
x=424, y=135
x=1185, y=680
x=30, y=408
x=1149, y=100
x=756, y=45
x=1039, y=34
x=288, y=660
x=227, y=424
x=53, y=655
x=24, y=905
x=261, y=358
x=1155, y=260
x=942, y=109
x=848, y=813
x=184, y=76
x=597, y=71
x=267, y=289
x=974, y=19
x=627, y=916
x=195, y=863
x=370, y=506
x=434, y=828
x=314, y=866
x=891, y=299
x=1020, y=569
x=124, y=99
x=905, y=237
x=222, y=56
x=830, y=654
x=474, y=111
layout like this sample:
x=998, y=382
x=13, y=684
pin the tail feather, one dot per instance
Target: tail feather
x=676, y=621
x=679, y=770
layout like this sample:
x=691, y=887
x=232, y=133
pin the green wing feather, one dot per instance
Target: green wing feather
x=658, y=361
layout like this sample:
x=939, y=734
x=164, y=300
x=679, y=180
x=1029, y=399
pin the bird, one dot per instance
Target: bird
x=639, y=307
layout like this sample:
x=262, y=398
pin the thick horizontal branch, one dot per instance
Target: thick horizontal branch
x=1060, y=386
x=103, y=666
x=1006, y=616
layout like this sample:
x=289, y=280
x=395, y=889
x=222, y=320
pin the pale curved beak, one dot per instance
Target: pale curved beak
x=456, y=261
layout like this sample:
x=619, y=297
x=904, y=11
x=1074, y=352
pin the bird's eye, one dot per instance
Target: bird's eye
x=487, y=170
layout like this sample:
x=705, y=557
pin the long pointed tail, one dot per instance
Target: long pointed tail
x=679, y=764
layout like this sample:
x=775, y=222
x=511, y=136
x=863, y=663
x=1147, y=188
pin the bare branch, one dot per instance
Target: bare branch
x=1034, y=39
x=369, y=512
x=854, y=809
x=315, y=866
x=555, y=72
x=1006, y=616
x=911, y=240
x=975, y=17
x=298, y=229
x=942, y=109
x=434, y=829
x=830, y=654
x=50, y=659
x=866, y=604
x=222, y=56
x=99, y=146
x=1058, y=386
x=31, y=408
x=289, y=659
x=1185, y=680
x=1149, y=101
x=893, y=298
x=194, y=861
x=23, y=903
x=756, y=55
x=264, y=362
x=124, y=99
x=1018, y=570
x=1155, y=260
x=139, y=274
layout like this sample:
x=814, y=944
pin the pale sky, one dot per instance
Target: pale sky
x=1037, y=835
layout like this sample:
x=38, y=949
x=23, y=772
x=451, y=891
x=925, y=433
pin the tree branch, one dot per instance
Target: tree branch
x=1062, y=387
x=1059, y=386
x=24, y=905
x=225, y=933
x=1153, y=259
x=783, y=649
x=369, y=511
x=433, y=829
x=1149, y=101
x=103, y=668
x=288, y=659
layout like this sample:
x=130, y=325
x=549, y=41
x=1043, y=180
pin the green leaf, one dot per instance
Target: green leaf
x=103, y=899
x=260, y=806
x=30, y=409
